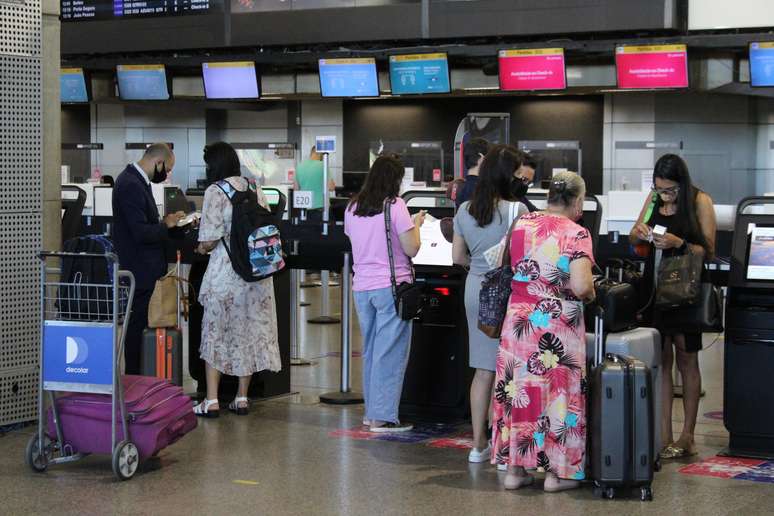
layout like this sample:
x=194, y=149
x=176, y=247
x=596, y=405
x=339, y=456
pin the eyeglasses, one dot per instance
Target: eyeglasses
x=672, y=190
x=524, y=180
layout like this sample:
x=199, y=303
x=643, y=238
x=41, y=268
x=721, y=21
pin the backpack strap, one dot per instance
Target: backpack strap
x=226, y=187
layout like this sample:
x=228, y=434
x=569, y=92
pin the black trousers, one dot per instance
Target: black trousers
x=138, y=321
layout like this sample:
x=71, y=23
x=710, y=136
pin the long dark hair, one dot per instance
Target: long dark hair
x=382, y=182
x=494, y=182
x=222, y=162
x=672, y=168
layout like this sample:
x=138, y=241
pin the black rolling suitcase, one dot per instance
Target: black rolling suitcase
x=621, y=422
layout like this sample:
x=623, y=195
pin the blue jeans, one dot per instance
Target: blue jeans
x=386, y=343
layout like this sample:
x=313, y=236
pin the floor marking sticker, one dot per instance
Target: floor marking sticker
x=422, y=432
x=724, y=467
x=460, y=442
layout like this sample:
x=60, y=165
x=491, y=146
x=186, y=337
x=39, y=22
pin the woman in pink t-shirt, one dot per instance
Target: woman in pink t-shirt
x=386, y=337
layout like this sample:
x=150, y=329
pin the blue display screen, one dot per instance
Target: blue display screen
x=762, y=64
x=419, y=73
x=142, y=82
x=72, y=85
x=348, y=78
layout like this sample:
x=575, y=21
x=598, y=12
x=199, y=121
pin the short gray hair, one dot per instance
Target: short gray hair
x=565, y=188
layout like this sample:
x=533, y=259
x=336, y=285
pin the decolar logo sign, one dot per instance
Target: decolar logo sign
x=77, y=352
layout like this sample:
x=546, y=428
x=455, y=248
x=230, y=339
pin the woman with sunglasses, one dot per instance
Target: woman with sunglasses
x=688, y=215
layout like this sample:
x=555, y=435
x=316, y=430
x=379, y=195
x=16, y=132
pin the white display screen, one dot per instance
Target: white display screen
x=760, y=260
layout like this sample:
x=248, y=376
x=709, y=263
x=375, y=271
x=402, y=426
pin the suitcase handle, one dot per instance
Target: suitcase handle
x=599, y=335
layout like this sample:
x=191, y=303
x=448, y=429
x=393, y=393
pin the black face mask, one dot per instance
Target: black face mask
x=159, y=176
x=518, y=188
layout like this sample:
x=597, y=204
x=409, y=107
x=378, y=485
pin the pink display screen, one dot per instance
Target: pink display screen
x=532, y=69
x=652, y=67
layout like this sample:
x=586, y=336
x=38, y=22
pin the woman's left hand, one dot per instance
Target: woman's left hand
x=667, y=241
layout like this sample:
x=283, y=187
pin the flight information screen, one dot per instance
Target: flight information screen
x=83, y=10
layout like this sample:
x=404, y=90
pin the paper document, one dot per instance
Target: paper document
x=435, y=249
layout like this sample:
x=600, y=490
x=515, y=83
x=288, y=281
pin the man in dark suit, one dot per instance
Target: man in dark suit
x=139, y=236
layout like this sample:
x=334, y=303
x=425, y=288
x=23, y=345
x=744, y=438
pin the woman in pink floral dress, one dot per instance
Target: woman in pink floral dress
x=540, y=385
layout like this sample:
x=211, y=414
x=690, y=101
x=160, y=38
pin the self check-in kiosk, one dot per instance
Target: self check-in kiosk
x=748, y=388
x=438, y=376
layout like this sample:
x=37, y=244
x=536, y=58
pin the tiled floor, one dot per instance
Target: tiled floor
x=281, y=459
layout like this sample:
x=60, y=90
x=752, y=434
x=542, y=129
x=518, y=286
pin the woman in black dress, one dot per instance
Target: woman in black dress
x=688, y=215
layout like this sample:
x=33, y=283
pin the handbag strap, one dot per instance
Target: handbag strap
x=388, y=231
x=506, y=260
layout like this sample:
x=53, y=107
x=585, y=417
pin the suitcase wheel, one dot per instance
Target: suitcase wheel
x=646, y=494
x=126, y=458
x=36, y=458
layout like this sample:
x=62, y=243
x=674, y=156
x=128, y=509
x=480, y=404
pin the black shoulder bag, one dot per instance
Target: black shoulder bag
x=409, y=297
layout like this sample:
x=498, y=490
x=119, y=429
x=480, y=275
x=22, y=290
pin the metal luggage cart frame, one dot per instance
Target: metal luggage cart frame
x=82, y=307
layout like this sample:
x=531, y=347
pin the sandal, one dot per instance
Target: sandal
x=203, y=409
x=236, y=409
x=676, y=452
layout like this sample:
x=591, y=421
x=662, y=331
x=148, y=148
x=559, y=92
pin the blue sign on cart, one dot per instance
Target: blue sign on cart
x=78, y=357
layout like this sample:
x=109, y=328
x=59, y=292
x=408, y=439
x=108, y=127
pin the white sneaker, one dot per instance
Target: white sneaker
x=392, y=428
x=502, y=467
x=480, y=456
x=366, y=422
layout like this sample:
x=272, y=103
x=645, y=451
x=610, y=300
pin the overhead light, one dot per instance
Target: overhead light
x=482, y=88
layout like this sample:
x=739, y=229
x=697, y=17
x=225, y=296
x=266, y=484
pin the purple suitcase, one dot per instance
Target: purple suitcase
x=159, y=414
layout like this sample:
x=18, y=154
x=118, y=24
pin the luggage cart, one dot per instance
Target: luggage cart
x=82, y=332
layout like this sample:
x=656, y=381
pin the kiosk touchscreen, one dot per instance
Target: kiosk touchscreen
x=760, y=258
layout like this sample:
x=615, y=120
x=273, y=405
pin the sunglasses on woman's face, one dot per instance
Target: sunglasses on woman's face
x=672, y=190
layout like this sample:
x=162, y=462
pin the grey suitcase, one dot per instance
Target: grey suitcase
x=643, y=344
x=621, y=422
